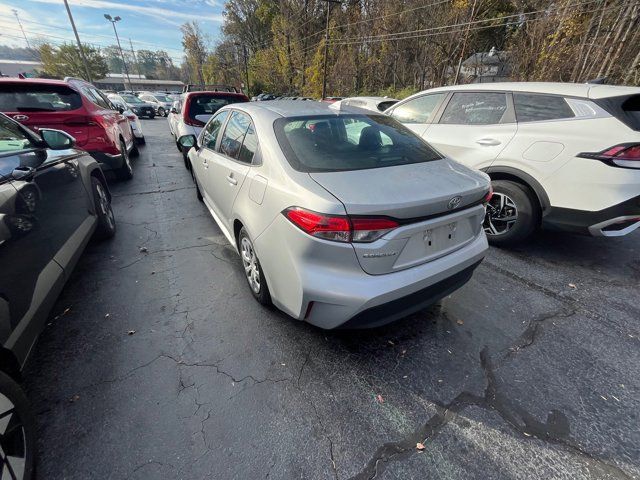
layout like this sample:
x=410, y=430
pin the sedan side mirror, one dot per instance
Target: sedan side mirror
x=120, y=108
x=57, y=139
x=187, y=141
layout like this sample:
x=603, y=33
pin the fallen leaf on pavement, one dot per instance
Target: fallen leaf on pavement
x=460, y=322
x=571, y=285
x=380, y=399
x=420, y=446
x=390, y=342
x=131, y=332
x=107, y=315
x=143, y=250
x=75, y=398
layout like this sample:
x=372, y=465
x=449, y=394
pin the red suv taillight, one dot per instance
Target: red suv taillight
x=624, y=155
x=489, y=195
x=340, y=228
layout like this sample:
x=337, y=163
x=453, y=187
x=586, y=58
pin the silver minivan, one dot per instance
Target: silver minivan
x=342, y=217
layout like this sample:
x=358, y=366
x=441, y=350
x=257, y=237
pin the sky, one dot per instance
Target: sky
x=150, y=24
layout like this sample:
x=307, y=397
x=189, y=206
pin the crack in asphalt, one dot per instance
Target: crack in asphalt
x=534, y=329
x=165, y=250
x=149, y=192
x=555, y=430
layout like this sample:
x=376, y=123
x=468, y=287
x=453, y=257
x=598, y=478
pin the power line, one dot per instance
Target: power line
x=519, y=16
x=432, y=34
x=139, y=42
x=65, y=39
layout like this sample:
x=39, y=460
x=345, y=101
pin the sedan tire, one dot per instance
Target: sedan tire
x=512, y=214
x=162, y=112
x=17, y=431
x=253, y=271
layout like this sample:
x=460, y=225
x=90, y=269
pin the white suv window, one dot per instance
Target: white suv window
x=534, y=108
x=418, y=110
x=475, y=108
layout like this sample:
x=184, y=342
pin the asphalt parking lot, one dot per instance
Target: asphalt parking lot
x=158, y=364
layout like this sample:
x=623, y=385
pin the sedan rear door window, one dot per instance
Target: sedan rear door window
x=475, y=108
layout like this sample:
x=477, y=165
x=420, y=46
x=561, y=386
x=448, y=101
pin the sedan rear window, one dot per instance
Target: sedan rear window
x=38, y=98
x=330, y=143
x=210, y=104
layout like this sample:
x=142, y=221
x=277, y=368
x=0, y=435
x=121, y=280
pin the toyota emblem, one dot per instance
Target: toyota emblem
x=454, y=203
x=20, y=118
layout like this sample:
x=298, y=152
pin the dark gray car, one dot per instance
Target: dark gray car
x=53, y=199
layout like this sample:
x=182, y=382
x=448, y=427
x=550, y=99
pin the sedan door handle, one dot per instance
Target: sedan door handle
x=231, y=180
x=488, y=142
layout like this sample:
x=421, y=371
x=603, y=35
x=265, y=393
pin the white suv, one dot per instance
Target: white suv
x=561, y=156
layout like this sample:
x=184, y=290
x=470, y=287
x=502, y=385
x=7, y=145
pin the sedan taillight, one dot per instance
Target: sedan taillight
x=340, y=228
x=624, y=155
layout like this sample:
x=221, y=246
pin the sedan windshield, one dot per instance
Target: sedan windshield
x=163, y=98
x=330, y=143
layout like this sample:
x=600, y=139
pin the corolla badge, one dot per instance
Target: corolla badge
x=454, y=203
x=21, y=118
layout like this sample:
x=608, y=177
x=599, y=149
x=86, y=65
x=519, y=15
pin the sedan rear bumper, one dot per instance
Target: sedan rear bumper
x=375, y=300
x=327, y=286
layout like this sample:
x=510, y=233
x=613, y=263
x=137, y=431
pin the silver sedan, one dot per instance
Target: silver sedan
x=342, y=217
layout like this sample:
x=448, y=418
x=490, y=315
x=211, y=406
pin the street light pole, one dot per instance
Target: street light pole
x=15, y=12
x=75, y=32
x=326, y=47
x=113, y=22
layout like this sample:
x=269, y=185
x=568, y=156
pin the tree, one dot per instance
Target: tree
x=194, y=43
x=65, y=61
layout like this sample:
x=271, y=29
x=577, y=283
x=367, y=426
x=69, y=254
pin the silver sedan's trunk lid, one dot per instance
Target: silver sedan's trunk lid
x=405, y=191
x=436, y=203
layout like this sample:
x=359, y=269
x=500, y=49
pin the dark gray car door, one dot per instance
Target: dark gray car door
x=44, y=207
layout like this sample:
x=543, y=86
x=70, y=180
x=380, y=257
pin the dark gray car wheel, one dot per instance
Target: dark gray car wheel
x=106, y=227
x=17, y=432
x=125, y=172
x=252, y=269
x=161, y=112
x=512, y=213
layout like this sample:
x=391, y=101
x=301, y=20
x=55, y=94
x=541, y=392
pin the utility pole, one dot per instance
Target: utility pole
x=75, y=32
x=326, y=47
x=133, y=52
x=113, y=22
x=15, y=12
x=464, y=43
x=246, y=66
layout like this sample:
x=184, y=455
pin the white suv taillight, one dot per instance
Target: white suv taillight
x=625, y=155
x=340, y=228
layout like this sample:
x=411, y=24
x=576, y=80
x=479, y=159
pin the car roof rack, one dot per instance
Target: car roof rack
x=209, y=88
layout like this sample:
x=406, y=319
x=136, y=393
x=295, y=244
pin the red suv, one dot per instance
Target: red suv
x=78, y=108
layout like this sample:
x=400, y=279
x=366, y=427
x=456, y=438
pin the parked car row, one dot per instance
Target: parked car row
x=78, y=108
x=400, y=203
x=53, y=199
